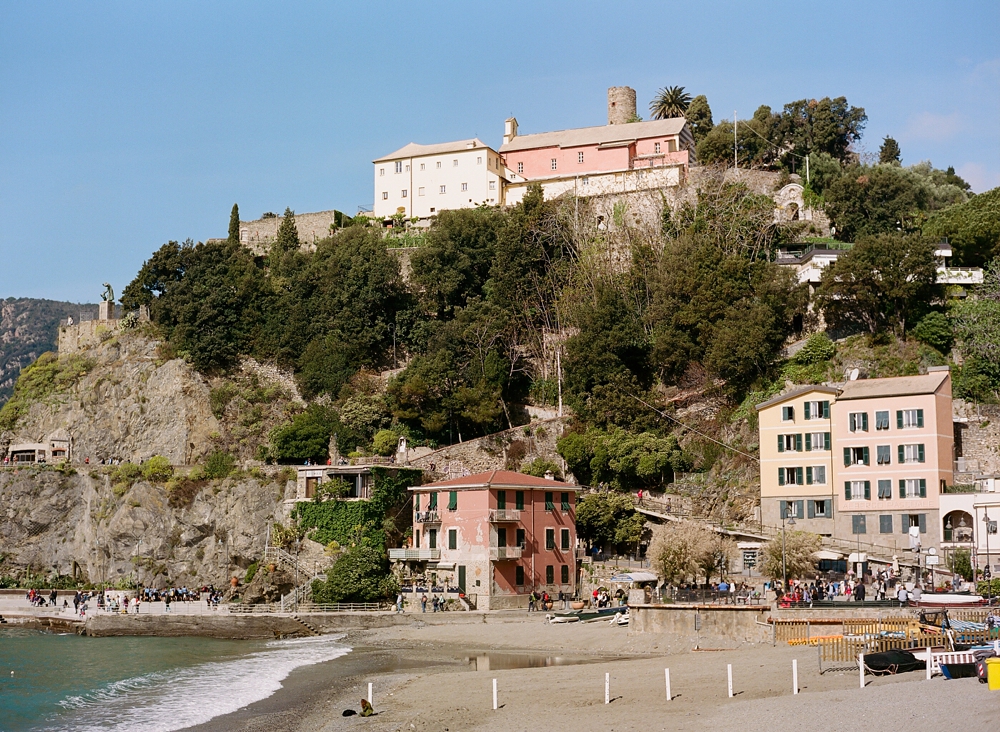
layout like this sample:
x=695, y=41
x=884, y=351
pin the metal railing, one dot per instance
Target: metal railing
x=415, y=555
x=306, y=608
x=428, y=517
x=499, y=553
x=500, y=515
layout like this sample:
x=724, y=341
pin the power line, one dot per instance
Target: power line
x=698, y=432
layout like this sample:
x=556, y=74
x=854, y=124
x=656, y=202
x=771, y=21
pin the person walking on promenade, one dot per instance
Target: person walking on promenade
x=399, y=602
x=423, y=603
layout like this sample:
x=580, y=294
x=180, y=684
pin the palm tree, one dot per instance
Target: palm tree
x=671, y=101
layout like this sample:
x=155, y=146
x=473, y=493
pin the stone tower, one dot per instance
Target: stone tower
x=621, y=105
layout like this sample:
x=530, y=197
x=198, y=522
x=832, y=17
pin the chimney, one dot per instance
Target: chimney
x=621, y=105
x=549, y=475
x=509, y=129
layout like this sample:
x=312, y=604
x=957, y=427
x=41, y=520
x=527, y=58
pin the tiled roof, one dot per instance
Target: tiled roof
x=895, y=386
x=797, y=391
x=500, y=478
x=603, y=135
x=413, y=150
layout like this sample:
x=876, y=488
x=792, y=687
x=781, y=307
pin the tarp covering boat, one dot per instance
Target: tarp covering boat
x=635, y=577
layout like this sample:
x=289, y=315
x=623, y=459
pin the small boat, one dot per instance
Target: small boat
x=948, y=599
x=621, y=618
x=583, y=616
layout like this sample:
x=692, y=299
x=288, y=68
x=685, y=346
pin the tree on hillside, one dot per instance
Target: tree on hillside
x=977, y=330
x=799, y=547
x=288, y=234
x=359, y=575
x=866, y=201
x=234, y=225
x=889, y=153
x=972, y=228
x=599, y=515
x=670, y=101
x=824, y=126
x=882, y=284
x=699, y=116
x=689, y=551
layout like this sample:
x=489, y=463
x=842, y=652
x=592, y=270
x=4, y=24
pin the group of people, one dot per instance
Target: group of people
x=438, y=604
x=883, y=585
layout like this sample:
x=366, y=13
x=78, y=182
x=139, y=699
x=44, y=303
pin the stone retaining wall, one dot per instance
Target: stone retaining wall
x=717, y=625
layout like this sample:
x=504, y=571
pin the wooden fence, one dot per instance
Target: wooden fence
x=840, y=654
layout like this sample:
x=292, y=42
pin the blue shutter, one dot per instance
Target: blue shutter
x=799, y=513
x=783, y=509
x=922, y=521
x=920, y=453
x=812, y=509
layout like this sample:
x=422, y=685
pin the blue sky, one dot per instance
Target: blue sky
x=125, y=125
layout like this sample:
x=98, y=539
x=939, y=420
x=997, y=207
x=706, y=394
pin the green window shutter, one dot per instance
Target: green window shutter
x=812, y=509
x=920, y=453
x=799, y=512
x=904, y=524
x=781, y=443
x=549, y=505
x=805, y=410
x=809, y=445
x=519, y=500
x=922, y=522
x=783, y=509
x=781, y=476
x=452, y=500
x=920, y=418
x=902, y=488
x=826, y=410
x=564, y=500
x=847, y=490
x=864, y=421
x=899, y=419
x=923, y=488
x=902, y=455
x=416, y=501
x=798, y=476
x=826, y=440
x=452, y=539
x=809, y=476
x=798, y=443
x=847, y=457
x=867, y=457
x=868, y=490
x=501, y=500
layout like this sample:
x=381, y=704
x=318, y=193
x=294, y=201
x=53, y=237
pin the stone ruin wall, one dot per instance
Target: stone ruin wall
x=977, y=436
x=257, y=235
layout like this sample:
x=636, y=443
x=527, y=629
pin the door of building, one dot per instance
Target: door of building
x=461, y=577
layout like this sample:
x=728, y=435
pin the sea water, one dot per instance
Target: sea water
x=70, y=682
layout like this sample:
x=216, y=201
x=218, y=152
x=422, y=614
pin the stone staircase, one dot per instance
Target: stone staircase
x=302, y=593
x=308, y=626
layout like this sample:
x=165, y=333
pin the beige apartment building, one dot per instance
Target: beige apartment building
x=796, y=459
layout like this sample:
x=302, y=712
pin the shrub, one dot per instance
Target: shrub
x=359, y=575
x=251, y=573
x=127, y=473
x=157, y=469
x=817, y=349
x=539, y=466
x=934, y=330
x=219, y=464
x=385, y=442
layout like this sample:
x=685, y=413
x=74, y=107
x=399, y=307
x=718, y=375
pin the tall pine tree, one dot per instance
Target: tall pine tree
x=288, y=234
x=889, y=152
x=234, y=225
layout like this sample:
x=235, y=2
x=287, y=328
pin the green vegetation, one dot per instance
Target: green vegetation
x=359, y=575
x=219, y=465
x=157, y=469
x=606, y=518
x=972, y=228
x=41, y=382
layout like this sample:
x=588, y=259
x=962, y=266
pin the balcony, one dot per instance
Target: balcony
x=415, y=555
x=427, y=517
x=502, y=515
x=500, y=553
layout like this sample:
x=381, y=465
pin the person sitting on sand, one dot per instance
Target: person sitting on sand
x=366, y=709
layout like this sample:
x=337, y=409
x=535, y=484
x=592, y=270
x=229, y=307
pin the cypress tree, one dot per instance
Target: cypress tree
x=234, y=225
x=288, y=235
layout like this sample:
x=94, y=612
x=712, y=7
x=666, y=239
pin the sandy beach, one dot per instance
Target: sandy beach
x=435, y=677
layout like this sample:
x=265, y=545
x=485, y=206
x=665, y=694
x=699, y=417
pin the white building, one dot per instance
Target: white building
x=422, y=180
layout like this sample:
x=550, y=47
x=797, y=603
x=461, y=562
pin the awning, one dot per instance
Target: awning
x=635, y=577
x=827, y=554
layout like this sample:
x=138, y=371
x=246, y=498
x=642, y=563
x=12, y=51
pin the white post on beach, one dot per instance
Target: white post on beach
x=795, y=676
x=861, y=668
x=729, y=668
x=930, y=662
x=494, y=694
x=666, y=673
x=369, y=692
x=607, y=688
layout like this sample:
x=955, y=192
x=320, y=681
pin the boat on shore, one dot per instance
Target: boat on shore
x=949, y=599
x=585, y=615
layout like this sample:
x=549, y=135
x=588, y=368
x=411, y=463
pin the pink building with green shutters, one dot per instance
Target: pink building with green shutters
x=497, y=535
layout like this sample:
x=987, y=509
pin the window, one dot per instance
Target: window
x=883, y=454
x=791, y=443
x=564, y=540
x=404, y=193
x=550, y=576
x=520, y=167
x=550, y=539
x=399, y=166
x=882, y=422
x=433, y=505
x=439, y=165
x=911, y=453
x=791, y=509
x=381, y=171
x=432, y=539
x=884, y=523
x=493, y=185
x=501, y=537
x=452, y=500
x=502, y=500
x=416, y=540
x=816, y=475
x=564, y=501
x=817, y=441
x=416, y=501
x=656, y=147
x=453, y=538
x=553, y=164
x=465, y=186
x=856, y=456
x=442, y=189
x=519, y=538
x=423, y=166
x=454, y=163
x=816, y=410
x=385, y=195
x=579, y=157
x=519, y=575
x=906, y=418
x=788, y=414
x=912, y=488
x=671, y=145
x=858, y=524
x=420, y=191
x=885, y=490
x=858, y=421
x=519, y=500
x=820, y=509
x=479, y=161
x=407, y=168
x=791, y=476
x=857, y=490
x=909, y=520
x=749, y=559
x=548, y=501
x=564, y=574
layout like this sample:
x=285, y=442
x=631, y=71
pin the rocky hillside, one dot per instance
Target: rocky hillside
x=27, y=330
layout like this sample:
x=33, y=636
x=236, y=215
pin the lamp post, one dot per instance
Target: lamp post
x=791, y=522
x=987, y=575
